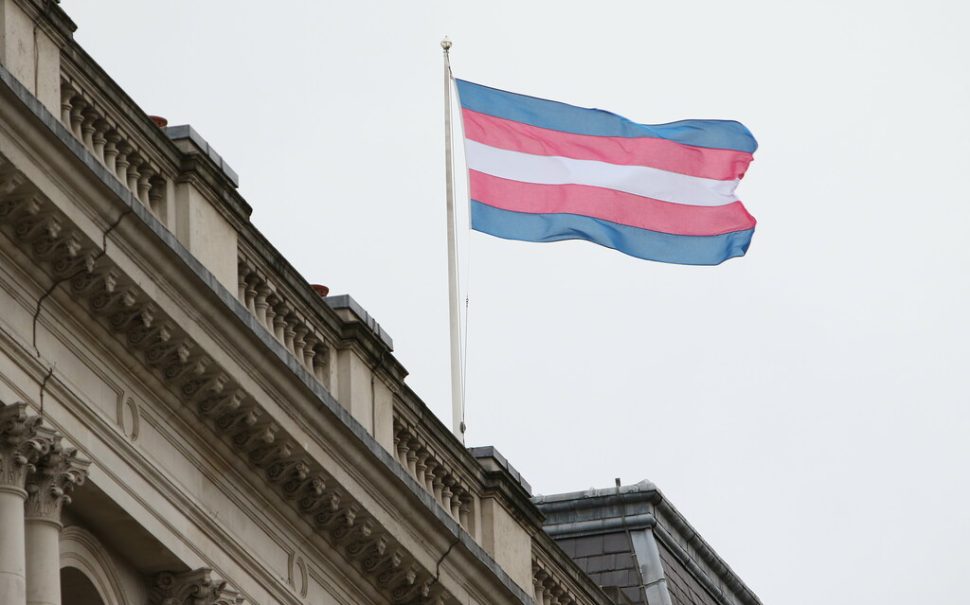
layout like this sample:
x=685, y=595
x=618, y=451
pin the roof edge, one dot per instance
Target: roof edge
x=671, y=527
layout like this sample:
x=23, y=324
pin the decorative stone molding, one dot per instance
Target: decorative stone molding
x=128, y=416
x=81, y=550
x=117, y=135
x=21, y=444
x=124, y=310
x=57, y=472
x=299, y=575
x=75, y=261
x=197, y=587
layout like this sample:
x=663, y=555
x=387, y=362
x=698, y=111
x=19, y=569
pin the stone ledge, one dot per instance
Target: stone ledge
x=234, y=308
x=185, y=131
x=487, y=453
x=346, y=301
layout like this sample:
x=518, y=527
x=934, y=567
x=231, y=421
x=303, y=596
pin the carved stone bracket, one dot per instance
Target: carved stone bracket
x=201, y=385
x=197, y=587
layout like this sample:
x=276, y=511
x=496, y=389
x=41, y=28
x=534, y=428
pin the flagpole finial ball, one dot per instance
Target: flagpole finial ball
x=446, y=44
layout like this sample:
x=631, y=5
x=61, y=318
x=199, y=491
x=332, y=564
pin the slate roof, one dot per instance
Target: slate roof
x=609, y=560
x=634, y=544
x=683, y=587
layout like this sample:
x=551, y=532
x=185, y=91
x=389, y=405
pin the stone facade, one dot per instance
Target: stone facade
x=183, y=419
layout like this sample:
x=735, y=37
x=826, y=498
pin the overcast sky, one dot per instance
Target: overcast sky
x=806, y=406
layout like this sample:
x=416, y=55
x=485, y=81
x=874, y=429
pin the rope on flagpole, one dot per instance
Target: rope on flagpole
x=464, y=363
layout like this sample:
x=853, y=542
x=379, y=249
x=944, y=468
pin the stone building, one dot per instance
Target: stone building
x=183, y=419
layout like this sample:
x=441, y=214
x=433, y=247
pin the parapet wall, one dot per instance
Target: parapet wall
x=139, y=234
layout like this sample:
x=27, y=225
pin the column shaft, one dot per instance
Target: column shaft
x=43, y=539
x=12, y=564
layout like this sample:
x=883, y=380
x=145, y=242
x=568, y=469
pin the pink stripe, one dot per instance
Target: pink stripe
x=610, y=205
x=720, y=164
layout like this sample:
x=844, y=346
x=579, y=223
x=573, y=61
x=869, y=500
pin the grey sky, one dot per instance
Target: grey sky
x=806, y=406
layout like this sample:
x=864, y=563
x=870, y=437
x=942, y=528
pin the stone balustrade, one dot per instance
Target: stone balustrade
x=549, y=587
x=205, y=387
x=136, y=168
x=557, y=580
x=433, y=471
x=117, y=135
x=281, y=317
x=306, y=339
x=425, y=451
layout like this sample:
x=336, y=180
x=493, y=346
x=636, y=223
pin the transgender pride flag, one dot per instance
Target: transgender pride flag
x=543, y=171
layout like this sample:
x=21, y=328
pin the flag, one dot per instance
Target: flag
x=544, y=171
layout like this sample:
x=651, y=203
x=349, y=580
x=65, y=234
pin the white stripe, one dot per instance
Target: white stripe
x=639, y=180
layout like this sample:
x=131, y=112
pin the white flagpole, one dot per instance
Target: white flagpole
x=457, y=425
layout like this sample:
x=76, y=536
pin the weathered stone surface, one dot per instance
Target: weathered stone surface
x=20, y=444
x=57, y=472
x=195, y=367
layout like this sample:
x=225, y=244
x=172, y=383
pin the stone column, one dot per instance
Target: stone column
x=58, y=471
x=20, y=447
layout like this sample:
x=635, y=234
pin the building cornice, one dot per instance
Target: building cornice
x=689, y=547
x=67, y=253
x=282, y=420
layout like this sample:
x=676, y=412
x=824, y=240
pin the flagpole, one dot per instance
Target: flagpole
x=457, y=424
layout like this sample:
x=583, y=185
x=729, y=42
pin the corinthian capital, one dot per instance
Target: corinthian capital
x=197, y=587
x=20, y=444
x=56, y=473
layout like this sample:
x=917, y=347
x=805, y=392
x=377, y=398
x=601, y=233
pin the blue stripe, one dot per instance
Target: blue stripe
x=641, y=243
x=715, y=134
